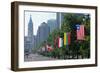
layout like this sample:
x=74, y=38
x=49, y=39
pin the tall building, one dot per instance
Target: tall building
x=30, y=28
x=55, y=23
x=29, y=39
x=52, y=24
x=43, y=32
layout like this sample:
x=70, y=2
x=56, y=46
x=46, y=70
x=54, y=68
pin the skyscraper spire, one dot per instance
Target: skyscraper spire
x=30, y=27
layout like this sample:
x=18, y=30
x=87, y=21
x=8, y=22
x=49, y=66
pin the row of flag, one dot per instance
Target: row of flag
x=66, y=40
x=59, y=42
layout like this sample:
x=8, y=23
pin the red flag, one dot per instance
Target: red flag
x=80, y=32
x=58, y=41
x=69, y=38
x=49, y=48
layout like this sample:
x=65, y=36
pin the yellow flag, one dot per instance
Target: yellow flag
x=65, y=38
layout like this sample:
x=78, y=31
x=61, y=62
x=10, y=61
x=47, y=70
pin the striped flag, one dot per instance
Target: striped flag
x=60, y=42
x=67, y=39
x=80, y=32
x=65, y=36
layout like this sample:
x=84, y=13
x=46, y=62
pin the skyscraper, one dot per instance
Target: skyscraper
x=52, y=24
x=43, y=32
x=29, y=39
x=30, y=28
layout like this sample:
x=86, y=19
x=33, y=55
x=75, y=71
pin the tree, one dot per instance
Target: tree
x=76, y=48
x=69, y=25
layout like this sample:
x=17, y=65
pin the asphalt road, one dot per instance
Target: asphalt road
x=37, y=57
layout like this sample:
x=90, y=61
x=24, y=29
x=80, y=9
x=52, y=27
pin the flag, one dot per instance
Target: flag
x=80, y=32
x=60, y=42
x=67, y=39
x=49, y=48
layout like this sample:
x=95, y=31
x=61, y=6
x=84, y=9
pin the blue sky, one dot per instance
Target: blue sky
x=37, y=18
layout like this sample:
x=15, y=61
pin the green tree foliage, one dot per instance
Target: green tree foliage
x=77, y=49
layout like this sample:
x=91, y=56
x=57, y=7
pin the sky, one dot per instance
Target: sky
x=37, y=18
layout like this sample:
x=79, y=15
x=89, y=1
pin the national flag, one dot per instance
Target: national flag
x=80, y=32
x=67, y=38
x=60, y=42
x=49, y=48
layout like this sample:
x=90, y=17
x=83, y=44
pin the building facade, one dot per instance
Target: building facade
x=29, y=39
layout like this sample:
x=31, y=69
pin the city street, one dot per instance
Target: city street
x=37, y=57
